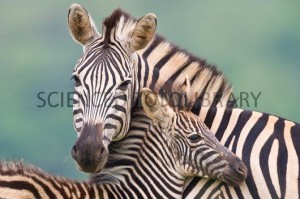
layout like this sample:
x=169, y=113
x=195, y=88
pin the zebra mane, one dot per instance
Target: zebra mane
x=205, y=79
x=112, y=21
x=17, y=167
x=14, y=168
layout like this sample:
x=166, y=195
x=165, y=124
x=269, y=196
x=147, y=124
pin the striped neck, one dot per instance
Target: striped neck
x=163, y=65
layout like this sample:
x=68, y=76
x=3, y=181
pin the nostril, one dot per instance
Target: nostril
x=75, y=149
x=101, y=150
x=240, y=170
x=74, y=152
x=239, y=167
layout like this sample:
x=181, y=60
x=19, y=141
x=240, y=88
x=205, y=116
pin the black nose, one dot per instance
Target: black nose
x=98, y=151
x=239, y=167
x=89, y=151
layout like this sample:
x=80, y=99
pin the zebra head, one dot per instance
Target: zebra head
x=104, y=81
x=196, y=151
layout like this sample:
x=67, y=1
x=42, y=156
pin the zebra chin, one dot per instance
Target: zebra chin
x=233, y=181
x=94, y=167
x=91, y=163
x=236, y=173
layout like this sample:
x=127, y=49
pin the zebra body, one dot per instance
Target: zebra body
x=161, y=149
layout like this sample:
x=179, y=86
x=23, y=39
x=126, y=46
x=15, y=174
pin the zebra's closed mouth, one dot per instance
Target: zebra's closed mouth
x=234, y=180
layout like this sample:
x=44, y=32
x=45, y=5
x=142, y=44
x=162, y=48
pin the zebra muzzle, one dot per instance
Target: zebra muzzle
x=89, y=151
x=236, y=173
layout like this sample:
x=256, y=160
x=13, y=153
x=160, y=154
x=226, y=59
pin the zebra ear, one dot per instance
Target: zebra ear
x=143, y=32
x=81, y=25
x=156, y=108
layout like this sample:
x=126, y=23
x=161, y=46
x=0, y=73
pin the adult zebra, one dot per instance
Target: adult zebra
x=152, y=161
x=113, y=68
x=259, y=139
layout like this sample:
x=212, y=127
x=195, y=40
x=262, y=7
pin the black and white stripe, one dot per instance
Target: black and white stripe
x=268, y=145
x=107, y=64
x=257, y=138
x=112, y=72
x=149, y=162
x=18, y=181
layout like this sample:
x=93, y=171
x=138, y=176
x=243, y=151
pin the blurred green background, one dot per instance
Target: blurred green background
x=255, y=43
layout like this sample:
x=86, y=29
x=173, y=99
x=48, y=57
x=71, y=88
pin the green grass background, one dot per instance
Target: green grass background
x=255, y=43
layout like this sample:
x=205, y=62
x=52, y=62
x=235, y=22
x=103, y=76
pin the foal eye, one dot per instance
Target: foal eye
x=194, y=138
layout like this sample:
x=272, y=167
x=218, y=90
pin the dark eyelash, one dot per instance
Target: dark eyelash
x=124, y=85
x=76, y=79
x=195, y=138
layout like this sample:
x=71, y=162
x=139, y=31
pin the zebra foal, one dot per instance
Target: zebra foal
x=161, y=149
x=267, y=144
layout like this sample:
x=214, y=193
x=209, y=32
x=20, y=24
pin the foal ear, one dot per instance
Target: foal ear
x=81, y=25
x=155, y=107
x=143, y=32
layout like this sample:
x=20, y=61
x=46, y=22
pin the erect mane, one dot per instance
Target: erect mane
x=112, y=21
x=15, y=168
x=205, y=78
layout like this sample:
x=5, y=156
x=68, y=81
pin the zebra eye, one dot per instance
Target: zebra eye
x=123, y=86
x=194, y=138
x=77, y=80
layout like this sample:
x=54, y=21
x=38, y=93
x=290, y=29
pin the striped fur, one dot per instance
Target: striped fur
x=152, y=161
x=268, y=145
x=162, y=65
x=110, y=74
x=262, y=181
x=21, y=181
